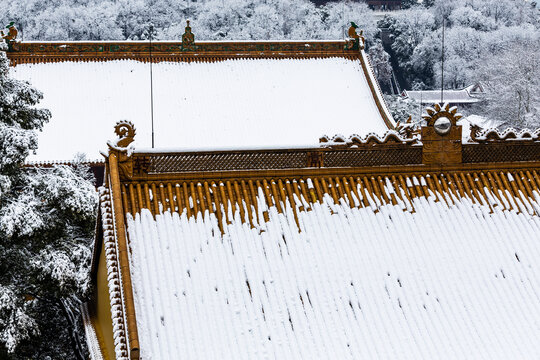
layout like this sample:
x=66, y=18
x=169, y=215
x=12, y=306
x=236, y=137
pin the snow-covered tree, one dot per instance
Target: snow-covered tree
x=476, y=31
x=211, y=19
x=337, y=16
x=512, y=80
x=46, y=221
x=408, y=29
x=380, y=60
x=468, y=17
x=401, y=108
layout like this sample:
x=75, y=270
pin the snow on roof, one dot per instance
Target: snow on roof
x=363, y=268
x=232, y=103
x=450, y=96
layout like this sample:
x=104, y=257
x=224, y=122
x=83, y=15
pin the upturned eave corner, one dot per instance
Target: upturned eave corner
x=120, y=150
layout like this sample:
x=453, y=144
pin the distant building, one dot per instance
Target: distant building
x=384, y=4
x=472, y=94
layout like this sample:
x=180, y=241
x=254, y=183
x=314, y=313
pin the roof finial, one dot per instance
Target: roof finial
x=352, y=31
x=11, y=36
x=408, y=129
x=355, y=41
x=126, y=133
x=188, y=38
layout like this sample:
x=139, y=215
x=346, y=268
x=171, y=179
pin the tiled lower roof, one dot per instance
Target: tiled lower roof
x=439, y=265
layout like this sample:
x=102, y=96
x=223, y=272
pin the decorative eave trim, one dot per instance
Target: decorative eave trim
x=338, y=171
x=119, y=153
x=113, y=275
x=222, y=196
x=395, y=152
x=44, y=52
x=494, y=135
x=51, y=163
x=390, y=137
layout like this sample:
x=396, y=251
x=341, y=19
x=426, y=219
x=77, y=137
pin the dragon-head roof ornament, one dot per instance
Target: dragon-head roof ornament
x=125, y=130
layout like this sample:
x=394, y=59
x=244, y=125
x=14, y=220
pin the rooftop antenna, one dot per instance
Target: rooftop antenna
x=151, y=30
x=442, y=64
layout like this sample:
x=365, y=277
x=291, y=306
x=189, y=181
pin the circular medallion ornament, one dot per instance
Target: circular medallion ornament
x=442, y=125
x=441, y=118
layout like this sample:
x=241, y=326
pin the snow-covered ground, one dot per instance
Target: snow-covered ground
x=432, y=278
x=234, y=103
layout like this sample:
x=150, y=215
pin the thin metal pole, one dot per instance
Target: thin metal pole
x=442, y=63
x=151, y=28
x=421, y=103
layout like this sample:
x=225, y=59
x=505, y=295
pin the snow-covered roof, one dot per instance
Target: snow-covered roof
x=462, y=96
x=249, y=102
x=380, y=249
x=323, y=267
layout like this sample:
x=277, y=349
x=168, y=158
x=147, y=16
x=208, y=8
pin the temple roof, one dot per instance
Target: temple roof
x=213, y=95
x=410, y=245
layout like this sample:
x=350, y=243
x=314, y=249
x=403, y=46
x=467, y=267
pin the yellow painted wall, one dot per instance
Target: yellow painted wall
x=101, y=318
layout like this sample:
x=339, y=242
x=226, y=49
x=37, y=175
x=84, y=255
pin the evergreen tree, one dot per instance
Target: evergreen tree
x=46, y=221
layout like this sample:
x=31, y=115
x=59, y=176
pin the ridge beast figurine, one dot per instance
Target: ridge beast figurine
x=10, y=36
